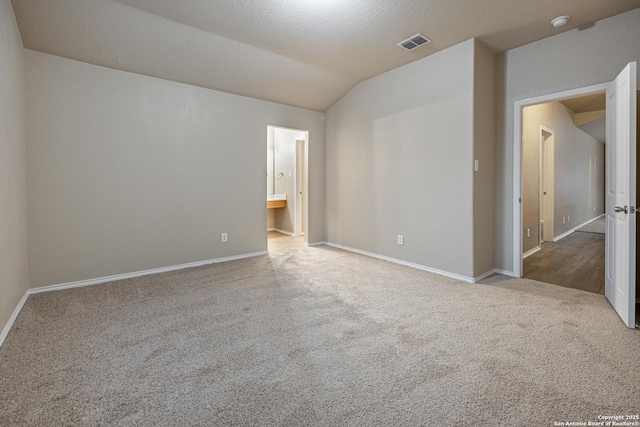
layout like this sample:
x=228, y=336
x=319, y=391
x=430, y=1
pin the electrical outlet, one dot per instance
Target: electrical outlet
x=564, y=220
x=400, y=239
x=225, y=237
x=568, y=218
x=528, y=233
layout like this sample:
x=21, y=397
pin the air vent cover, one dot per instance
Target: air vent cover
x=413, y=42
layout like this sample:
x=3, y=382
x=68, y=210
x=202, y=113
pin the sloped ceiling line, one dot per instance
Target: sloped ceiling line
x=305, y=53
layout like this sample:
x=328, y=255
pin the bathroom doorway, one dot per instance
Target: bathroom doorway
x=287, y=189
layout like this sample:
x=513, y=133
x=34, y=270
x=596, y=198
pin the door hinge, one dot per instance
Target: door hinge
x=519, y=199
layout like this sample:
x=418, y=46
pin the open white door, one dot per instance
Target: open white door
x=620, y=250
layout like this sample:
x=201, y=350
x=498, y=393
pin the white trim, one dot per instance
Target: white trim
x=401, y=262
x=504, y=272
x=270, y=229
x=546, y=175
x=530, y=252
x=484, y=275
x=297, y=198
x=565, y=234
x=13, y=317
x=288, y=233
x=116, y=277
x=113, y=278
x=591, y=220
x=312, y=244
x=517, y=160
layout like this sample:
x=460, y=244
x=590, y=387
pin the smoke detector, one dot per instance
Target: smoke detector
x=560, y=21
x=414, y=42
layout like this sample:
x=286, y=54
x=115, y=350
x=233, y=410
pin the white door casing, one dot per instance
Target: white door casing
x=517, y=162
x=620, y=203
x=299, y=168
x=547, y=154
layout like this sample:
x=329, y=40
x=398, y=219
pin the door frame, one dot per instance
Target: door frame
x=305, y=185
x=300, y=190
x=518, y=106
x=546, y=174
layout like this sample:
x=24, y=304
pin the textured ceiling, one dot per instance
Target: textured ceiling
x=590, y=103
x=586, y=103
x=307, y=53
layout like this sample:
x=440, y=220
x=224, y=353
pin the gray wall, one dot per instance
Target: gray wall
x=271, y=219
x=578, y=171
x=400, y=161
x=128, y=172
x=484, y=141
x=573, y=59
x=13, y=198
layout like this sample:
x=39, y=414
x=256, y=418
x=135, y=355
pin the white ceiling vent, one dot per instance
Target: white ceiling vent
x=413, y=42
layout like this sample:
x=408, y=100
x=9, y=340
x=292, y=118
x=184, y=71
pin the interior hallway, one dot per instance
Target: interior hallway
x=576, y=261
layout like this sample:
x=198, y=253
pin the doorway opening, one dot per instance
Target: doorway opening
x=287, y=187
x=621, y=120
x=563, y=162
x=527, y=163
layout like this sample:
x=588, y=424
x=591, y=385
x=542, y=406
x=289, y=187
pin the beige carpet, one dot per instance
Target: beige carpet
x=277, y=241
x=596, y=226
x=316, y=336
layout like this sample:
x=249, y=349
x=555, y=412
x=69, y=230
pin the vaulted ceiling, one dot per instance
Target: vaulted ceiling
x=589, y=114
x=306, y=53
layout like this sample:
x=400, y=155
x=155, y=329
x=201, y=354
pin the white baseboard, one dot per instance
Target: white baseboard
x=565, y=234
x=504, y=272
x=484, y=275
x=418, y=266
x=117, y=277
x=12, y=319
x=312, y=244
x=530, y=252
x=96, y=281
x=408, y=264
x=288, y=233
